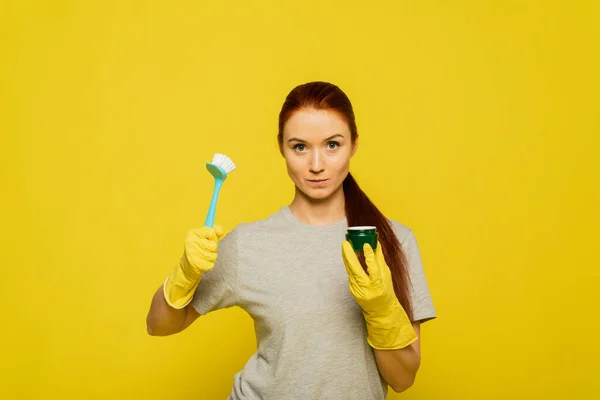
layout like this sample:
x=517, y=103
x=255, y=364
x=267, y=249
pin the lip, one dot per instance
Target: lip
x=318, y=181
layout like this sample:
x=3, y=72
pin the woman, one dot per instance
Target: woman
x=326, y=329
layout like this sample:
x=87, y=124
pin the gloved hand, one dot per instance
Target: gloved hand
x=200, y=254
x=388, y=325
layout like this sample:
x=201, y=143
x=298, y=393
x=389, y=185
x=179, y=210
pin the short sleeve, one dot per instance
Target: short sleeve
x=423, y=309
x=217, y=287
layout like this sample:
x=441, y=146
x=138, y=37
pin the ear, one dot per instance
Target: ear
x=354, y=146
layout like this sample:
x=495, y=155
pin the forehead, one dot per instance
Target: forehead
x=314, y=124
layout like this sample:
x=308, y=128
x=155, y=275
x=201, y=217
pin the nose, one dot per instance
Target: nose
x=316, y=164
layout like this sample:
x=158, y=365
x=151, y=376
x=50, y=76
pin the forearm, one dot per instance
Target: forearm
x=398, y=367
x=163, y=320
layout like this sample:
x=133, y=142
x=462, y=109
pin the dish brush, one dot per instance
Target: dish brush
x=220, y=167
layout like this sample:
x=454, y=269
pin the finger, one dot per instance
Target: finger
x=202, y=242
x=385, y=270
x=196, y=251
x=351, y=262
x=204, y=232
x=348, y=256
x=372, y=264
x=219, y=232
x=207, y=245
x=205, y=235
x=379, y=254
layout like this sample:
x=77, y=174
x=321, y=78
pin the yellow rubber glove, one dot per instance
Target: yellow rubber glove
x=199, y=256
x=388, y=325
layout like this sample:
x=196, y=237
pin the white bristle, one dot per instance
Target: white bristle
x=224, y=162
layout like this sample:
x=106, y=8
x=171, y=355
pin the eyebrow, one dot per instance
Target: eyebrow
x=304, y=141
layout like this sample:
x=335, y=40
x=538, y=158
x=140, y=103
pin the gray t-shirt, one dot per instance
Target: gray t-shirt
x=311, y=334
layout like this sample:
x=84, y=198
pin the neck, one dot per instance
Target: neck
x=320, y=212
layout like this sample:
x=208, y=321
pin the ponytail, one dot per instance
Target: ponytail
x=361, y=211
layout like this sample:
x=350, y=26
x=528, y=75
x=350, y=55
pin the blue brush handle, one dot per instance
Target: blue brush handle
x=210, y=218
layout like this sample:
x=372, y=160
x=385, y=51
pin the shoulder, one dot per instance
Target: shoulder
x=269, y=224
x=402, y=231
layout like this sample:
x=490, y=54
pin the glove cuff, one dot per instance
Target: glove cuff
x=390, y=330
x=178, y=289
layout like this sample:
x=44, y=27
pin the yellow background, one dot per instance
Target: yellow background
x=480, y=130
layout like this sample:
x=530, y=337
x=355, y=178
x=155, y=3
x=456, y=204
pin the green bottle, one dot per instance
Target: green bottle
x=359, y=235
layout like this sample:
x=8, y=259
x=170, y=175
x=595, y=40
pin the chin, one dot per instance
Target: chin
x=317, y=194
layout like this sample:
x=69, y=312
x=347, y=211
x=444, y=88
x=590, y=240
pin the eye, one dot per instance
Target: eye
x=299, y=147
x=333, y=145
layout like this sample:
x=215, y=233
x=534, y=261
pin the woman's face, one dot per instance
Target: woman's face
x=317, y=147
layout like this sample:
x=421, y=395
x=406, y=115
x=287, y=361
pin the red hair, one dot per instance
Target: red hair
x=360, y=210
